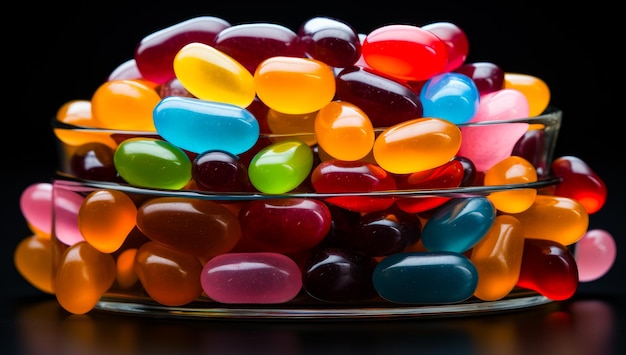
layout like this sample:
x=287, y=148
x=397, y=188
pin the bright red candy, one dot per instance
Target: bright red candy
x=579, y=182
x=406, y=52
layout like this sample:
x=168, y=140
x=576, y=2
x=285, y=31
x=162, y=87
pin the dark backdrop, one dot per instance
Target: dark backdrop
x=59, y=53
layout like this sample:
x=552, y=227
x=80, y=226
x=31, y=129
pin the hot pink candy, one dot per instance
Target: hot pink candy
x=36, y=206
x=66, y=206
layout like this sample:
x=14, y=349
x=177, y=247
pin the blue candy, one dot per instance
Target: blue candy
x=199, y=126
x=450, y=96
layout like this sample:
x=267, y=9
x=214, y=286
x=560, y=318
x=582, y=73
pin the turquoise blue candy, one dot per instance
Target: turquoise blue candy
x=199, y=126
x=155, y=163
x=281, y=167
x=458, y=224
x=425, y=278
x=451, y=96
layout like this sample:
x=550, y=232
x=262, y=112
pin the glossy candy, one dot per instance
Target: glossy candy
x=330, y=40
x=512, y=170
x=201, y=228
x=451, y=96
x=549, y=268
x=458, y=224
x=580, y=182
x=281, y=167
x=425, y=278
x=211, y=75
x=198, y=125
x=344, y=131
x=105, y=218
x=125, y=275
x=151, y=162
x=33, y=260
x=498, y=258
x=595, y=254
x=385, y=101
x=36, y=207
x=385, y=232
x=456, y=41
x=124, y=104
x=337, y=275
x=294, y=85
x=405, y=52
x=284, y=126
x=155, y=53
x=488, y=77
x=217, y=170
x=251, y=278
x=536, y=91
x=78, y=113
x=83, y=274
x=286, y=225
x=169, y=277
x=66, y=207
x=417, y=145
x=93, y=161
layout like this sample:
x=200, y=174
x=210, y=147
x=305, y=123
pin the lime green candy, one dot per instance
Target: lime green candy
x=281, y=166
x=154, y=163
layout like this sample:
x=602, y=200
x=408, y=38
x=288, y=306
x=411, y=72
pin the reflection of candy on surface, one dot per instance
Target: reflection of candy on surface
x=595, y=254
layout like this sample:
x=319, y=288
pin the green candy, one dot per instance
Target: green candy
x=281, y=166
x=153, y=163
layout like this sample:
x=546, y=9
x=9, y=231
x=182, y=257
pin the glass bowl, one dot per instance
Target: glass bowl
x=425, y=251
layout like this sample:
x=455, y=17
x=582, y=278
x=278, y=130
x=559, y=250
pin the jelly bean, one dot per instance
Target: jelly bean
x=385, y=101
x=425, y=278
x=451, y=96
x=532, y=147
x=487, y=76
x=284, y=225
x=267, y=39
x=219, y=171
x=125, y=275
x=511, y=170
x=198, y=125
x=284, y=126
x=385, y=232
x=251, y=278
x=469, y=171
x=485, y=145
x=170, y=277
x=498, y=258
x=548, y=268
x=36, y=207
x=579, y=182
x=93, y=161
x=125, y=105
x=211, y=75
x=294, y=85
x=150, y=162
x=201, y=228
x=405, y=51
x=450, y=174
x=83, y=271
x=281, y=166
x=555, y=218
x=417, y=145
x=344, y=131
x=331, y=41
x=338, y=176
x=33, y=260
x=456, y=41
x=78, y=113
x=155, y=53
x=536, y=91
x=126, y=70
x=337, y=275
x=174, y=87
x=65, y=213
x=458, y=224
x=105, y=218
x=595, y=254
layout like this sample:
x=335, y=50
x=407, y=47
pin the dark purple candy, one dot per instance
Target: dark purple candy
x=330, y=41
x=487, y=76
x=336, y=275
x=382, y=233
x=219, y=171
x=93, y=161
x=531, y=147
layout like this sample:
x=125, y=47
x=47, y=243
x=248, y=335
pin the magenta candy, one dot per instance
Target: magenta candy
x=257, y=278
x=36, y=206
x=595, y=254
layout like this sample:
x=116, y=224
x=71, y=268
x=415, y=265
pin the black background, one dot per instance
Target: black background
x=59, y=53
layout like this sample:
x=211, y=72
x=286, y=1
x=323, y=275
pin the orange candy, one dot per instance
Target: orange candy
x=33, y=260
x=536, y=91
x=512, y=170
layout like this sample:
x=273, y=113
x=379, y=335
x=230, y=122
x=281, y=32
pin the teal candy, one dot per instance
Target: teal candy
x=281, y=167
x=149, y=162
x=458, y=224
x=425, y=278
x=199, y=126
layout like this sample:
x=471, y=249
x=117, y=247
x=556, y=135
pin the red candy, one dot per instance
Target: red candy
x=579, y=182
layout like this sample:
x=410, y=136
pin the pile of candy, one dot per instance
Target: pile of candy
x=250, y=164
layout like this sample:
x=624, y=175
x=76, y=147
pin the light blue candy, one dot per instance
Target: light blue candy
x=199, y=126
x=458, y=224
x=450, y=96
x=425, y=278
